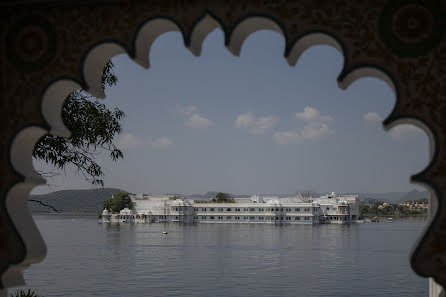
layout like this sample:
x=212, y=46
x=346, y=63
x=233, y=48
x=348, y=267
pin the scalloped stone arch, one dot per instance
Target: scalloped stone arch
x=360, y=31
x=248, y=26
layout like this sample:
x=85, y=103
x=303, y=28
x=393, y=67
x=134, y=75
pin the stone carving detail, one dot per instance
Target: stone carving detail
x=31, y=43
x=53, y=47
x=412, y=28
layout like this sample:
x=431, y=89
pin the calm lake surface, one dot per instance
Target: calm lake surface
x=90, y=259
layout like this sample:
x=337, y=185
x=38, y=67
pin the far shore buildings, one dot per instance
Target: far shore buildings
x=329, y=208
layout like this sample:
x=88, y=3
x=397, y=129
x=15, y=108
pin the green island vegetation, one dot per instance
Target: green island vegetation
x=220, y=197
x=419, y=201
x=117, y=202
x=409, y=208
x=22, y=293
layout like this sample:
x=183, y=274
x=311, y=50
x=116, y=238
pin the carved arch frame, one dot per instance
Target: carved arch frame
x=56, y=46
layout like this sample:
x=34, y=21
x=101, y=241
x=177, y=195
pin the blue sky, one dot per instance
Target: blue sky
x=253, y=124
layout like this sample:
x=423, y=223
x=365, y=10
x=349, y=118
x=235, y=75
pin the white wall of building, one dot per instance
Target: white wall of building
x=270, y=210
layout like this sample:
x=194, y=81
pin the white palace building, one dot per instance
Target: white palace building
x=329, y=208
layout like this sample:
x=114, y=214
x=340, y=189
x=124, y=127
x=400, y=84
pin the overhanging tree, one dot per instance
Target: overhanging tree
x=93, y=126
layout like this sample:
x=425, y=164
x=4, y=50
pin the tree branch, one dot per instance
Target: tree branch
x=44, y=204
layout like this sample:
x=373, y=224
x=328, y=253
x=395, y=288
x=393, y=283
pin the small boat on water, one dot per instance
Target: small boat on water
x=389, y=220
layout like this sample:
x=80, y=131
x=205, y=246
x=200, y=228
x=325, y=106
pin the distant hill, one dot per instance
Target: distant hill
x=414, y=195
x=72, y=201
x=393, y=197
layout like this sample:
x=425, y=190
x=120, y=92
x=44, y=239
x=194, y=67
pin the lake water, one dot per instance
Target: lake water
x=90, y=259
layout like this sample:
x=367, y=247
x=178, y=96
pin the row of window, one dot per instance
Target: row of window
x=158, y=217
x=250, y=209
x=253, y=218
x=343, y=218
x=139, y=217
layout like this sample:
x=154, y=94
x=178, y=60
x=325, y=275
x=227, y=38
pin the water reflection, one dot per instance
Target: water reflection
x=226, y=259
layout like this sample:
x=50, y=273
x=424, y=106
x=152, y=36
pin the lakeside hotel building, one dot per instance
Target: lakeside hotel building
x=272, y=210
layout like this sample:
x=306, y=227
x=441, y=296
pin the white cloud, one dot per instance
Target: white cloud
x=129, y=141
x=372, y=117
x=316, y=130
x=255, y=125
x=405, y=132
x=160, y=143
x=188, y=109
x=244, y=120
x=198, y=122
x=287, y=137
x=311, y=131
x=311, y=114
x=194, y=121
x=315, y=127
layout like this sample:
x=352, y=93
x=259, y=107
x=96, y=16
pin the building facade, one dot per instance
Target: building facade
x=270, y=210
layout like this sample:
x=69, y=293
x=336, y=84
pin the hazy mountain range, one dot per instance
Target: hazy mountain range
x=395, y=197
x=90, y=201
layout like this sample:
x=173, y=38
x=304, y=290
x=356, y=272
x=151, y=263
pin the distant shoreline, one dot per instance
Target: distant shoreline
x=396, y=215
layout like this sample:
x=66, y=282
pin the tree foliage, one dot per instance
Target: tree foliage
x=93, y=128
x=419, y=201
x=374, y=209
x=107, y=203
x=117, y=202
x=222, y=198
